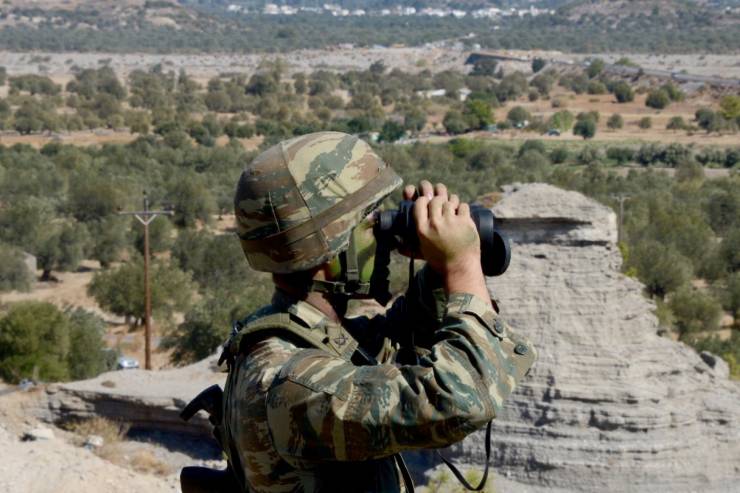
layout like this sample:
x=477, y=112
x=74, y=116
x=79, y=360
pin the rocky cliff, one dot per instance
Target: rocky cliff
x=610, y=405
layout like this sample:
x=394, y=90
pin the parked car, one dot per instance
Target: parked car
x=125, y=363
x=553, y=132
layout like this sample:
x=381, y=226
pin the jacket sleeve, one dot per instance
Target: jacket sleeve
x=321, y=407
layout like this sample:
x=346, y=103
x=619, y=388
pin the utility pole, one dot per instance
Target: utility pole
x=621, y=199
x=145, y=217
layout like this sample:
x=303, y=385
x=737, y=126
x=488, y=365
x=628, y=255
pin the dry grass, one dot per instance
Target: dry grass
x=112, y=432
x=145, y=461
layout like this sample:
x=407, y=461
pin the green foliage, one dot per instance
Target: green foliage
x=623, y=92
x=658, y=99
x=694, y=311
x=121, y=290
x=730, y=106
x=585, y=127
x=615, y=122
x=518, y=115
x=391, y=131
x=595, y=67
x=39, y=341
x=561, y=120
x=160, y=235
x=454, y=123
x=676, y=123
x=13, y=271
x=62, y=248
x=645, y=123
x=661, y=268
x=484, y=67
x=538, y=64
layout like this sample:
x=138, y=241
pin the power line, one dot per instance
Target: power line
x=145, y=217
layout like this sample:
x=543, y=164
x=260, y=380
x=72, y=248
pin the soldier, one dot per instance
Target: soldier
x=315, y=401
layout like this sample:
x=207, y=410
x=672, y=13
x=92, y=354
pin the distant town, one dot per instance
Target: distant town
x=399, y=10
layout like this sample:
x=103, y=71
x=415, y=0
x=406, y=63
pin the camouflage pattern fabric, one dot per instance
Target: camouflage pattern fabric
x=304, y=419
x=289, y=192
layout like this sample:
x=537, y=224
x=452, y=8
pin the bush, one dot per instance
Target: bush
x=694, y=311
x=518, y=115
x=561, y=120
x=658, y=99
x=623, y=92
x=596, y=87
x=40, y=342
x=586, y=128
x=538, y=64
x=645, y=123
x=615, y=122
x=559, y=155
x=454, y=123
x=121, y=290
x=660, y=267
x=13, y=271
x=595, y=68
x=676, y=123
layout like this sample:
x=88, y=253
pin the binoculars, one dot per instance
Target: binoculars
x=399, y=227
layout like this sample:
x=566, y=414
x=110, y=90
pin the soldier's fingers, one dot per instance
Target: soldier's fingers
x=421, y=212
x=426, y=189
x=440, y=190
x=463, y=210
x=435, y=208
x=409, y=192
x=455, y=201
x=448, y=209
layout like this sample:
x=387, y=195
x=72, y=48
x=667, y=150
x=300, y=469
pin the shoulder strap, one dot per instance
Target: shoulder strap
x=331, y=338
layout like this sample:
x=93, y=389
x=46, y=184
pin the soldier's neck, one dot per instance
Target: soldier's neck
x=333, y=309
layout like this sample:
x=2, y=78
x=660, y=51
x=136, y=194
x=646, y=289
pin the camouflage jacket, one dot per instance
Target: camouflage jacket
x=304, y=419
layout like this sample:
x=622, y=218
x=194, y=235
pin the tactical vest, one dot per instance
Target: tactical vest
x=332, y=338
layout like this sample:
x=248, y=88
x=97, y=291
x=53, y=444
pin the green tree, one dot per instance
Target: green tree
x=694, y=311
x=87, y=357
x=623, y=92
x=595, y=67
x=454, y=123
x=586, y=128
x=477, y=113
x=645, y=123
x=160, y=235
x=121, y=290
x=191, y=200
x=538, y=64
x=63, y=248
x=676, y=123
x=34, y=343
x=561, y=120
x=518, y=115
x=391, y=131
x=660, y=267
x=14, y=273
x=110, y=235
x=484, y=67
x=615, y=122
x=730, y=106
x=658, y=99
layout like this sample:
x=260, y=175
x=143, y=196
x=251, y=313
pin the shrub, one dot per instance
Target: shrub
x=615, y=121
x=586, y=128
x=623, y=92
x=518, y=115
x=39, y=341
x=694, y=311
x=13, y=271
x=645, y=123
x=658, y=99
x=676, y=123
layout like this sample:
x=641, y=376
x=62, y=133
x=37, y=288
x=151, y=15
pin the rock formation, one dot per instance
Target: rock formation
x=610, y=405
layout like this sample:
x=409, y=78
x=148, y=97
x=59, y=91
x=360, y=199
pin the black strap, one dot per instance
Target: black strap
x=459, y=475
x=405, y=473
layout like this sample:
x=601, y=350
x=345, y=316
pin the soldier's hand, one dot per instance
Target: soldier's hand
x=448, y=238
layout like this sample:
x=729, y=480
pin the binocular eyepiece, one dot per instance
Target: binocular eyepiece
x=399, y=227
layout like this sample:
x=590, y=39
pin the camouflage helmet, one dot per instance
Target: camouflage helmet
x=297, y=202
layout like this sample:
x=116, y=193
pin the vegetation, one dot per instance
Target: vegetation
x=40, y=342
